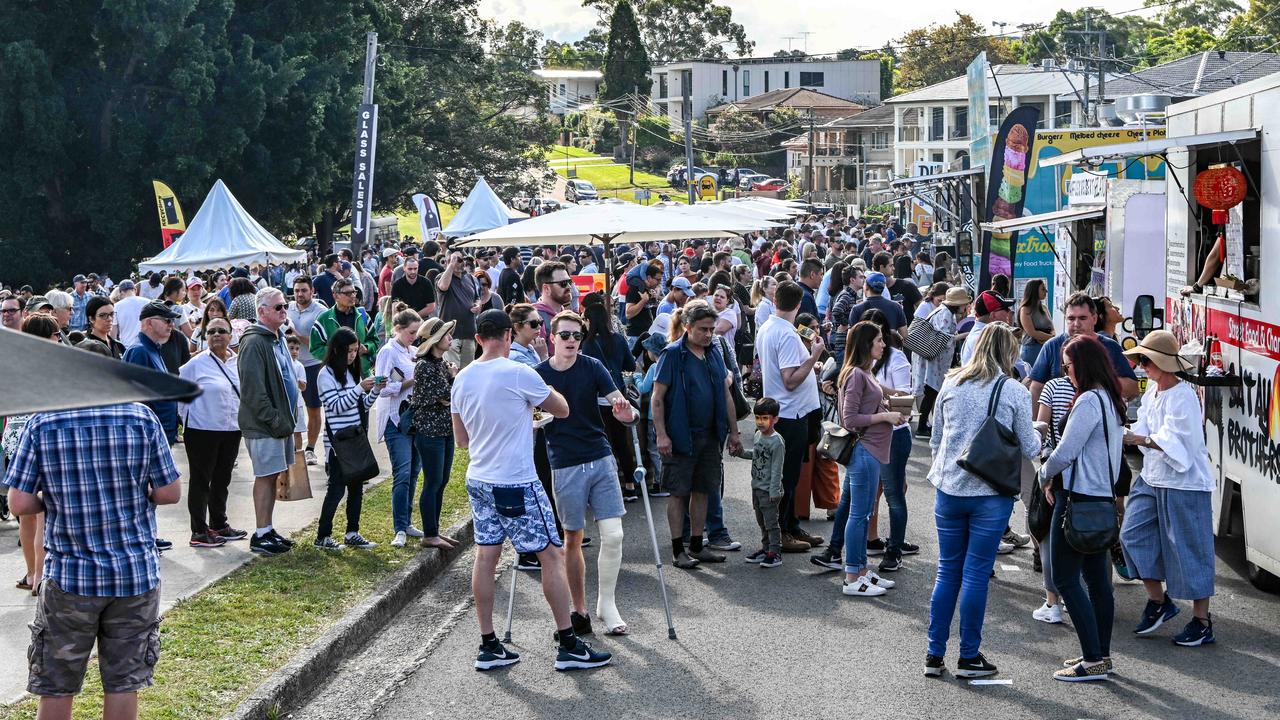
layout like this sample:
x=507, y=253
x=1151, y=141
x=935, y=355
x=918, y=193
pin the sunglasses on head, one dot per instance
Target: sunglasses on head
x=566, y=334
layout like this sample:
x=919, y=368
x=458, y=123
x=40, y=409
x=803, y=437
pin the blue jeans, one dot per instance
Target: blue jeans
x=969, y=530
x=436, y=456
x=857, y=499
x=405, y=466
x=894, y=477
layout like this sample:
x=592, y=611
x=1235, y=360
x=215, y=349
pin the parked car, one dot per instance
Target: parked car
x=733, y=176
x=747, y=178
x=676, y=177
x=578, y=190
x=769, y=184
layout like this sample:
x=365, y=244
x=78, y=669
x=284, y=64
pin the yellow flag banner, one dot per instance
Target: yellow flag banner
x=172, y=224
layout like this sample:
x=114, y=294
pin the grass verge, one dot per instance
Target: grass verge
x=563, y=151
x=221, y=643
x=615, y=181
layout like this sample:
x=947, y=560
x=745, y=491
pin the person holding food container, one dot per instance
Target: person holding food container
x=432, y=426
x=395, y=366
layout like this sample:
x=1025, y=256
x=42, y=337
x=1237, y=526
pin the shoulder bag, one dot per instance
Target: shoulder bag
x=1039, y=513
x=924, y=339
x=1090, y=526
x=994, y=454
x=836, y=442
x=741, y=406
x=352, y=451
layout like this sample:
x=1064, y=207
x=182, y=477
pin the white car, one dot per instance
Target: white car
x=577, y=190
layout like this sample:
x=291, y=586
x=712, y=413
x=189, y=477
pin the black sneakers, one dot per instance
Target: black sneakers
x=1156, y=614
x=975, y=667
x=495, y=655
x=907, y=548
x=875, y=547
x=528, y=561
x=207, y=539
x=827, y=559
x=1197, y=632
x=934, y=666
x=581, y=657
x=891, y=562
x=267, y=545
x=581, y=625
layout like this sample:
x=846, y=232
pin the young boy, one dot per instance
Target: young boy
x=766, y=455
x=299, y=427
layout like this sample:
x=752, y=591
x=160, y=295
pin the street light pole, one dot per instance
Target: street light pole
x=687, y=107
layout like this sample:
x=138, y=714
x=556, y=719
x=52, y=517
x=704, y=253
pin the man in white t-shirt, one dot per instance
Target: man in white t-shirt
x=128, y=310
x=786, y=368
x=492, y=404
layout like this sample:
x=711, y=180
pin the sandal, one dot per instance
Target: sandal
x=24, y=583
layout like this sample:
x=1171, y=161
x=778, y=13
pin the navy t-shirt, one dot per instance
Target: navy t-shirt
x=892, y=311
x=1049, y=364
x=580, y=437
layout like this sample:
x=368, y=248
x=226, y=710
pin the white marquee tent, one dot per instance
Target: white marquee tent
x=221, y=235
x=482, y=210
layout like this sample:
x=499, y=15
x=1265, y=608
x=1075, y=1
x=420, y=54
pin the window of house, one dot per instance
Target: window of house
x=939, y=157
x=995, y=115
x=1062, y=113
x=662, y=85
x=786, y=78
x=960, y=128
x=724, y=83
x=937, y=123
x=811, y=79
x=879, y=140
x=766, y=81
x=562, y=89
x=746, y=83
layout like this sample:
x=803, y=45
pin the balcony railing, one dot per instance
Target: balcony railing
x=910, y=134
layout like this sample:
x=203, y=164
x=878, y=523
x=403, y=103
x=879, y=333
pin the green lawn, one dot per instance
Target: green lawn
x=613, y=181
x=408, y=224
x=220, y=644
x=560, y=152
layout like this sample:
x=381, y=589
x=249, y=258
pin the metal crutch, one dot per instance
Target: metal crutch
x=648, y=515
x=511, y=600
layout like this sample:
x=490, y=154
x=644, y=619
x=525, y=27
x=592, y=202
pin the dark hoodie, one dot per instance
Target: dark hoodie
x=266, y=408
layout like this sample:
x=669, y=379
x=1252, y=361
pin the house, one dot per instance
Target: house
x=1195, y=75
x=852, y=157
x=803, y=100
x=570, y=90
x=713, y=83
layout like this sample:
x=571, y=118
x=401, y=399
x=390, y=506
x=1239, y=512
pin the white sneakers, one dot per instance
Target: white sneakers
x=400, y=540
x=1004, y=548
x=311, y=457
x=869, y=585
x=879, y=581
x=413, y=532
x=1047, y=613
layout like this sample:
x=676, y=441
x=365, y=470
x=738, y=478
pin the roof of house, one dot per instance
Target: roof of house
x=567, y=74
x=790, y=97
x=1197, y=74
x=1009, y=81
x=881, y=115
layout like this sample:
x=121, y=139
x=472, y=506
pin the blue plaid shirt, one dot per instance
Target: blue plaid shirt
x=95, y=468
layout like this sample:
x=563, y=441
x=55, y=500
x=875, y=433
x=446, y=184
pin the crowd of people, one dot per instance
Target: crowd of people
x=828, y=325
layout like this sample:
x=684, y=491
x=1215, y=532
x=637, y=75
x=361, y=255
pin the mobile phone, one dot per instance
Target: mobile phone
x=379, y=379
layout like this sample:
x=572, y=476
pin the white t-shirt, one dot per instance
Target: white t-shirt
x=923, y=310
x=127, y=322
x=779, y=346
x=971, y=341
x=730, y=315
x=300, y=373
x=495, y=401
x=896, y=374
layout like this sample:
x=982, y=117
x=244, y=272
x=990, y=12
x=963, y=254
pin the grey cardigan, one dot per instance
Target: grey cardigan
x=958, y=414
x=1082, y=453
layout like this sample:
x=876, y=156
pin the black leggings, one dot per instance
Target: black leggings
x=542, y=463
x=926, y=407
x=795, y=438
x=338, y=486
x=1092, y=612
x=211, y=455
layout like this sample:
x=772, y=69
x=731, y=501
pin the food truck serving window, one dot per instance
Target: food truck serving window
x=1243, y=232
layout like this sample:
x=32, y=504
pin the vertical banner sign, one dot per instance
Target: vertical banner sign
x=428, y=216
x=172, y=224
x=362, y=187
x=1006, y=185
x=979, y=117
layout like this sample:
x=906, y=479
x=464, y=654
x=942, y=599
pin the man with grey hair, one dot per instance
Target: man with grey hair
x=61, y=303
x=268, y=404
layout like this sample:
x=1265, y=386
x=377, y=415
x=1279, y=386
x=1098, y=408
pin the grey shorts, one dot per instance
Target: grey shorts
x=127, y=630
x=594, y=484
x=270, y=456
x=697, y=473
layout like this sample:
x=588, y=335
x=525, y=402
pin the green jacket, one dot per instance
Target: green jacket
x=327, y=324
x=265, y=409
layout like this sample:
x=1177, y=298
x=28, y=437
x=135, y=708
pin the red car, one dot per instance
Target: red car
x=770, y=184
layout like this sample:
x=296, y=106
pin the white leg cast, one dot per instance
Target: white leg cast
x=608, y=564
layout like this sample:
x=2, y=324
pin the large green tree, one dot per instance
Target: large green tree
x=1257, y=29
x=682, y=29
x=98, y=98
x=1126, y=37
x=935, y=53
x=626, y=68
x=1209, y=15
x=1180, y=43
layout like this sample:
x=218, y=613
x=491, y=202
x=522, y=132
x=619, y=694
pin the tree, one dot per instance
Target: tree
x=887, y=62
x=1212, y=16
x=1178, y=44
x=1256, y=29
x=935, y=53
x=788, y=54
x=626, y=67
x=570, y=56
x=681, y=29
x=1126, y=36
x=737, y=138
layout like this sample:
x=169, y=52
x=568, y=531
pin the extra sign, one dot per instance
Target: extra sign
x=362, y=186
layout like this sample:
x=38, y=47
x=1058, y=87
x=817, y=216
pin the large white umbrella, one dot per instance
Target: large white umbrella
x=778, y=208
x=736, y=219
x=603, y=223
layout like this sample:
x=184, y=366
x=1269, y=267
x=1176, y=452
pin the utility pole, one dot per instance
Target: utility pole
x=686, y=107
x=635, y=133
x=366, y=152
x=809, y=174
x=1101, y=35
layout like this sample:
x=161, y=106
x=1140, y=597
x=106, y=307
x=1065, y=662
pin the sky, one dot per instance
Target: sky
x=832, y=24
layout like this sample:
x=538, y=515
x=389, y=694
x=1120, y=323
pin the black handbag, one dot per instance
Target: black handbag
x=352, y=451
x=1039, y=514
x=994, y=454
x=741, y=406
x=1090, y=526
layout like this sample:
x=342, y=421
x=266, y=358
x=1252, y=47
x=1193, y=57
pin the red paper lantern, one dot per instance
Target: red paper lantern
x=1220, y=189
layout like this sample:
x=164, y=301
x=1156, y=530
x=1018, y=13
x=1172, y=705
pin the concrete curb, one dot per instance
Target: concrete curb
x=294, y=683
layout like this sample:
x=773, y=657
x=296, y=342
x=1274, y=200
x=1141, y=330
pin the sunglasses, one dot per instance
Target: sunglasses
x=9, y=311
x=1143, y=360
x=101, y=316
x=566, y=334
x=531, y=323
x=281, y=306
x=344, y=292
x=562, y=283
x=217, y=331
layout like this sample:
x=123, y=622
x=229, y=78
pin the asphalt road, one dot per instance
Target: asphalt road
x=785, y=643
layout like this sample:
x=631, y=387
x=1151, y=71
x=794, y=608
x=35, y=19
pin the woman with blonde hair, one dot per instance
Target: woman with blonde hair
x=395, y=366
x=971, y=516
x=762, y=291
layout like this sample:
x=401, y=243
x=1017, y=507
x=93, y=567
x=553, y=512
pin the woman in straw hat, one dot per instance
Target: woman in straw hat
x=929, y=374
x=1168, y=523
x=432, y=425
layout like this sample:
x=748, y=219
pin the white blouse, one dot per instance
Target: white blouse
x=216, y=408
x=1174, y=421
x=395, y=356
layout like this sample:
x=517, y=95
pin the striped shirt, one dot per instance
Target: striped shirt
x=342, y=400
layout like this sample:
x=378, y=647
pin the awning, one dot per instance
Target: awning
x=922, y=179
x=1080, y=212
x=1106, y=153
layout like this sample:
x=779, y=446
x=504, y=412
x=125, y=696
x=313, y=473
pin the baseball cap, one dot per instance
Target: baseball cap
x=126, y=285
x=345, y=265
x=240, y=273
x=876, y=281
x=157, y=309
x=388, y=252
x=78, y=279
x=195, y=281
x=683, y=284
x=491, y=321
x=989, y=302
x=38, y=301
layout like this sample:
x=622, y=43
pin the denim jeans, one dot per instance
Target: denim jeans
x=405, y=467
x=1092, y=613
x=893, y=475
x=857, y=498
x=969, y=530
x=436, y=455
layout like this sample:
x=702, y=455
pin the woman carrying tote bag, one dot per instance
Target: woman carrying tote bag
x=346, y=403
x=1088, y=455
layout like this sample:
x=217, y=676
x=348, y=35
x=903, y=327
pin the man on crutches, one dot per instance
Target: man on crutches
x=492, y=406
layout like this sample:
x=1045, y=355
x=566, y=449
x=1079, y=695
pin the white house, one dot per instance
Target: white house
x=852, y=158
x=570, y=90
x=714, y=82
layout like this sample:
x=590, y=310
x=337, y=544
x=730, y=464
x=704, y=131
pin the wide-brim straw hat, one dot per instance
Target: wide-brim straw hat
x=1162, y=348
x=431, y=331
x=957, y=297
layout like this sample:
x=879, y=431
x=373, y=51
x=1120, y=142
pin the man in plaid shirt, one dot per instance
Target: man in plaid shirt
x=97, y=474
